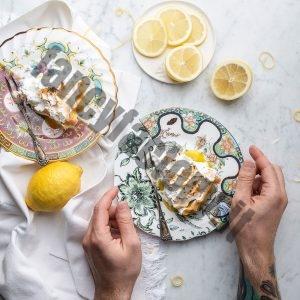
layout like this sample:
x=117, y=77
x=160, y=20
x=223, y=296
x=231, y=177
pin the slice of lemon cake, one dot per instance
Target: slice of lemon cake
x=184, y=183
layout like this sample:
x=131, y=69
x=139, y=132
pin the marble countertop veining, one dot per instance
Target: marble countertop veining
x=243, y=30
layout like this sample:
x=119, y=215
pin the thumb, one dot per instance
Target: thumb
x=245, y=180
x=125, y=224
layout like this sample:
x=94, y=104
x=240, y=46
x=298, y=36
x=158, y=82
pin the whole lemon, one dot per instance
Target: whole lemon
x=52, y=186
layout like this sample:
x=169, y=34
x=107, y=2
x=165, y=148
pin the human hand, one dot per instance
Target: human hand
x=113, y=249
x=261, y=193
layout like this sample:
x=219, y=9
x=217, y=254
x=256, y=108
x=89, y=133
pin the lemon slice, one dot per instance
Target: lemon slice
x=198, y=34
x=184, y=63
x=150, y=37
x=178, y=25
x=231, y=80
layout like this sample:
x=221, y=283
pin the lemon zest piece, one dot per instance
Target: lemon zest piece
x=119, y=12
x=297, y=115
x=177, y=281
x=267, y=60
x=275, y=141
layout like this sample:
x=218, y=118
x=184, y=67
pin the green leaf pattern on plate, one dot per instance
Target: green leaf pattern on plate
x=137, y=190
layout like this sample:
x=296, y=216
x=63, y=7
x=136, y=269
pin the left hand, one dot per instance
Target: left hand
x=113, y=249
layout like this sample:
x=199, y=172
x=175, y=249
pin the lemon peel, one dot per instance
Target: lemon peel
x=119, y=12
x=297, y=115
x=267, y=60
x=275, y=141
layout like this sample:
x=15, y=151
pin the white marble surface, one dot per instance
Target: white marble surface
x=243, y=29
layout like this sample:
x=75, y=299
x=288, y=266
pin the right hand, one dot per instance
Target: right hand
x=260, y=192
x=113, y=249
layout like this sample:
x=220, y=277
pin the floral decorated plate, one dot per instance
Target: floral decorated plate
x=190, y=129
x=22, y=54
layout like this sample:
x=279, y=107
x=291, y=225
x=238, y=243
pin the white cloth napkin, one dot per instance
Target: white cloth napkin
x=41, y=254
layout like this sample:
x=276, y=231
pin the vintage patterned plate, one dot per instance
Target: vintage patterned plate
x=22, y=54
x=190, y=129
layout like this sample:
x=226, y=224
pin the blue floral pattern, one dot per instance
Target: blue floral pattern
x=172, y=126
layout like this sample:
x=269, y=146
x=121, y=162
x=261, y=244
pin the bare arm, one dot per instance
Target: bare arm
x=261, y=189
x=262, y=285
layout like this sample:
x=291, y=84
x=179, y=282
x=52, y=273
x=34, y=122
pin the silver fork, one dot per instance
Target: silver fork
x=20, y=99
x=164, y=229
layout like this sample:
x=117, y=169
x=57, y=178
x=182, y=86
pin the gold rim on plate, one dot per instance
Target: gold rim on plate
x=4, y=139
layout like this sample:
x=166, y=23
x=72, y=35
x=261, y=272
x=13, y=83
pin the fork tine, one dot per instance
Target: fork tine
x=14, y=81
x=146, y=162
x=151, y=160
x=8, y=85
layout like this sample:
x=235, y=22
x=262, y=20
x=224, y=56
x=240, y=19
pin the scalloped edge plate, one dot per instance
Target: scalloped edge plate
x=194, y=130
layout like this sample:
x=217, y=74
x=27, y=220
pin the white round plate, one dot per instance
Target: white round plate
x=192, y=130
x=155, y=67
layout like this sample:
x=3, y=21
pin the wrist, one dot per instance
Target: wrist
x=259, y=272
x=113, y=293
x=254, y=256
x=256, y=259
x=257, y=265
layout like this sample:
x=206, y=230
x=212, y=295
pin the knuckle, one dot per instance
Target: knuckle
x=138, y=243
x=135, y=243
x=230, y=221
x=97, y=208
x=234, y=201
x=277, y=167
x=125, y=221
x=85, y=244
x=95, y=242
x=245, y=176
x=283, y=205
x=100, y=205
x=274, y=195
x=231, y=226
